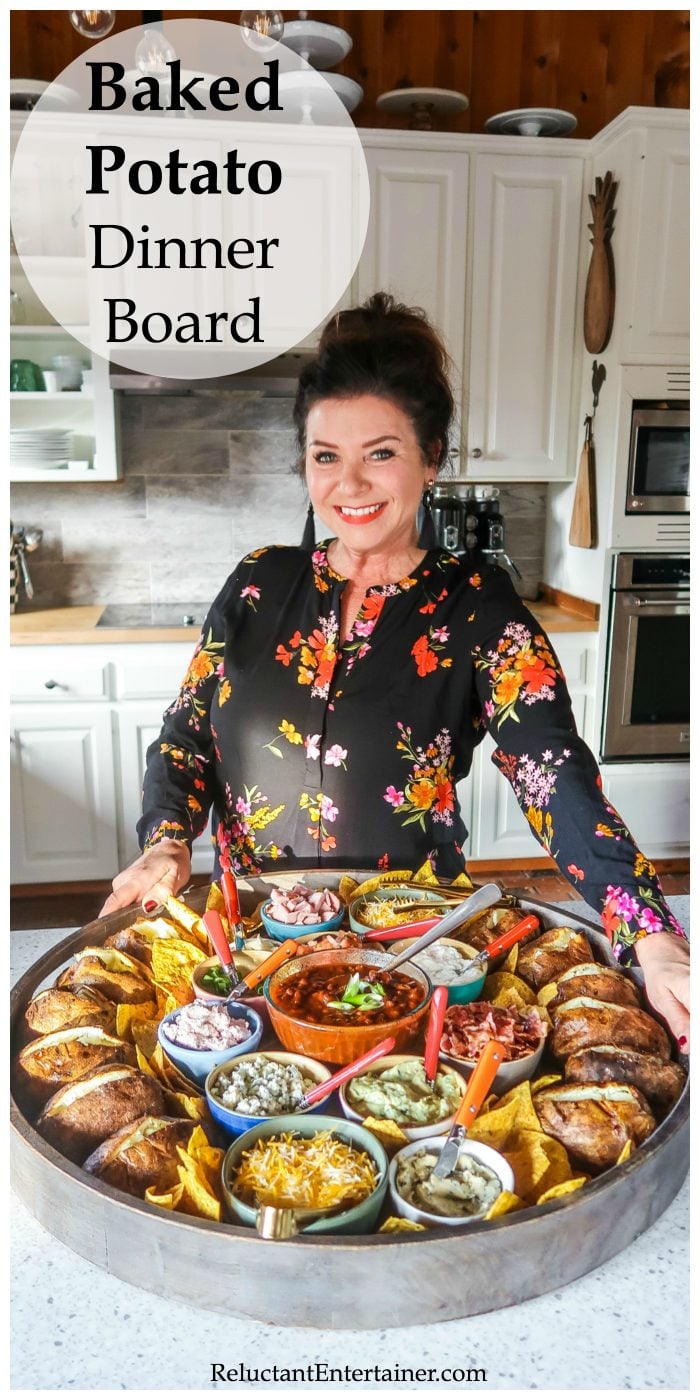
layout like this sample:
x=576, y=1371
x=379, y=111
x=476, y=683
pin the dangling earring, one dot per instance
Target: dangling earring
x=427, y=538
x=308, y=539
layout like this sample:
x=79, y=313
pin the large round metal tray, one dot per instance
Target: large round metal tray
x=343, y=1282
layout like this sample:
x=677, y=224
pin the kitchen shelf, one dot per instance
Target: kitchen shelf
x=52, y=331
x=73, y=471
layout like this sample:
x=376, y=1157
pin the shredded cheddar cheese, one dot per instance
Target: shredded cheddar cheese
x=318, y=1173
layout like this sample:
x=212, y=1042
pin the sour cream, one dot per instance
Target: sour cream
x=206, y=1025
x=445, y=966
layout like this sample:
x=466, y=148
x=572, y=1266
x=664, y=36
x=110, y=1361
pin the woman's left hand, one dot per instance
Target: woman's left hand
x=665, y=961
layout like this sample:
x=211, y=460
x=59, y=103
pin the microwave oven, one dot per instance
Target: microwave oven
x=658, y=469
x=651, y=463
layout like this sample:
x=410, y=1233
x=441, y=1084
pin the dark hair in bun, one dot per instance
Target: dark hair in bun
x=389, y=350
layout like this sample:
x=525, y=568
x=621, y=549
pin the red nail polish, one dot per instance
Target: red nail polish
x=150, y=905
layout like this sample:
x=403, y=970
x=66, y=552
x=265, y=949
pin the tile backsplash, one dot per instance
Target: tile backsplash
x=207, y=477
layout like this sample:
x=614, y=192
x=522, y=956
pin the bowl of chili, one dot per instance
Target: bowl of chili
x=325, y=1005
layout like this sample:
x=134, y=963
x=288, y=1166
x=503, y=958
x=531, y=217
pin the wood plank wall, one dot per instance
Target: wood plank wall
x=593, y=63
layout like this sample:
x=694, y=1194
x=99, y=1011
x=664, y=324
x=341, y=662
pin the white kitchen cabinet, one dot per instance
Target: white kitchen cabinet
x=499, y=827
x=138, y=724
x=416, y=240
x=527, y=214
x=657, y=328
x=653, y=800
x=62, y=793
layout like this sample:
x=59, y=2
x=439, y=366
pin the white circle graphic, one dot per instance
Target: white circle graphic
x=192, y=216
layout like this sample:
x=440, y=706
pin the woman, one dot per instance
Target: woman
x=336, y=696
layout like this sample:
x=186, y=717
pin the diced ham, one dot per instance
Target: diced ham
x=301, y=906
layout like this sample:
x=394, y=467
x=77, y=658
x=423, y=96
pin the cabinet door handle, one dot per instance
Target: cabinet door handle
x=476, y=452
x=55, y=685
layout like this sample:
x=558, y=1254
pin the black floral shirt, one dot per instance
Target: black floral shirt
x=314, y=751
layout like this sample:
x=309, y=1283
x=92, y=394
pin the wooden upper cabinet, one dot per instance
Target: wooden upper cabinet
x=416, y=240
x=527, y=219
x=658, y=323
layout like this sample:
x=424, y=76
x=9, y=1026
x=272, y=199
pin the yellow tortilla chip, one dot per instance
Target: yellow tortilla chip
x=391, y=1136
x=215, y=899
x=463, y=882
x=387, y=877
x=625, y=1153
x=512, y=1112
x=188, y=1106
x=498, y=983
x=511, y=962
x=563, y=1189
x=346, y=888
x=544, y=1082
x=130, y=1013
x=201, y=1151
x=395, y=1225
x=167, y=1200
x=547, y=994
x=174, y=961
x=425, y=875
x=145, y=1035
x=189, y=920
x=538, y=1163
x=503, y=1205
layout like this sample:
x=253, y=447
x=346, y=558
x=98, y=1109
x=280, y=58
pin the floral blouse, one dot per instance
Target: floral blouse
x=315, y=751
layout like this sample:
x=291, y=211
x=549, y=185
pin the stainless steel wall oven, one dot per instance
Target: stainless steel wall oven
x=647, y=691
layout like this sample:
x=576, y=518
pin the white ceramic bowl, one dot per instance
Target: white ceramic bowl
x=414, y=1132
x=478, y=1150
x=510, y=1072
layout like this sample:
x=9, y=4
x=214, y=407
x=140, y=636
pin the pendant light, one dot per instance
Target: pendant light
x=93, y=24
x=262, y=28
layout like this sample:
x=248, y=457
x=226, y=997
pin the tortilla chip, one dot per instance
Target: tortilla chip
x=425, y=875
x=391, y=1136
x=511, y=1113
x=625, y=1153
x=346, y=888
x=145, y=1035
x=174, y=961
x=201, y=1151
x=503, y=1205
x=395, y=1225
x=130, y=1013
x=187, y=918
x=547, y=994
x=511, y=962
x=462, y=882
x=189, y=1105
x=167, y=1200
x=544, y=1082
x=215, y=899
x=538, y=1163
x=200, y=1177
x=563, y=1189
x=499, y=983
x=387, y=877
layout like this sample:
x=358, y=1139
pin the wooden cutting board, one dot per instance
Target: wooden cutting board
x=56, y=620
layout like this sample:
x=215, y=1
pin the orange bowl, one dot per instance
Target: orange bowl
x=339, y=1045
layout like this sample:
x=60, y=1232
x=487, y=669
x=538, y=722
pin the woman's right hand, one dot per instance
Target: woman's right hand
x=161, y=871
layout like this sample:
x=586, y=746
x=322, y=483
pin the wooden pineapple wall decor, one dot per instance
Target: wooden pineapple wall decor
x=599, y=304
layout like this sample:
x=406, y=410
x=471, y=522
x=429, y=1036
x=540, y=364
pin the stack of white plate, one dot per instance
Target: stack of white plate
x=39, y=447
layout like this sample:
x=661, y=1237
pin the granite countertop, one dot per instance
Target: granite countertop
x=623, y=1326
x=100, y=624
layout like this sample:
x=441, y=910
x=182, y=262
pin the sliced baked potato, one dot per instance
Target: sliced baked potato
x=142, y=1154
x=596, y=981
x=582, y=1022
x=128, y=941
x=58, y=1058
x=554, y=952
x=115, y=974
x=482, y=929
x=57, y=1009
x=594, y=1121
x=84, y=1113
x=660, y=1081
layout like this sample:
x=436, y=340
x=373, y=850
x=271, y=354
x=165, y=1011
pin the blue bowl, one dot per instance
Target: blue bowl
x=196, y=1064
x=234, y=1123
x=282, y=931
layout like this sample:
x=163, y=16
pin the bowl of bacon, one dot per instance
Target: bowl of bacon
x=520, y=1030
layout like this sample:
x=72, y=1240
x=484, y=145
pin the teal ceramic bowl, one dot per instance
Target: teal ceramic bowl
x=458, y=993
x=357, y=1220
x=280, y=931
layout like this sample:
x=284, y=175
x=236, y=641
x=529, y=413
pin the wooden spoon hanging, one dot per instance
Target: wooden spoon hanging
x=599, y=304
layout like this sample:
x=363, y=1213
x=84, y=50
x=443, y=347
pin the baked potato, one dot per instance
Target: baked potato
x=52, y=1060
x=596, y=981
x=582, y=1022
x=115, y=974
x=660, y=1081
x=482, y=929
x=554, y=952
x=57, y=1009
x=594, y=1121
x=129, y=941
x=84, y=1113
x=142, y=1154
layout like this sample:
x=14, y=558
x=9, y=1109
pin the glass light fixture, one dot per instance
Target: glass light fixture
x=153, y=52
x=262, y=28
x=93, y=24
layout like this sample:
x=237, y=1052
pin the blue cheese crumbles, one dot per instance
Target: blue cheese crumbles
x=261, y=1088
